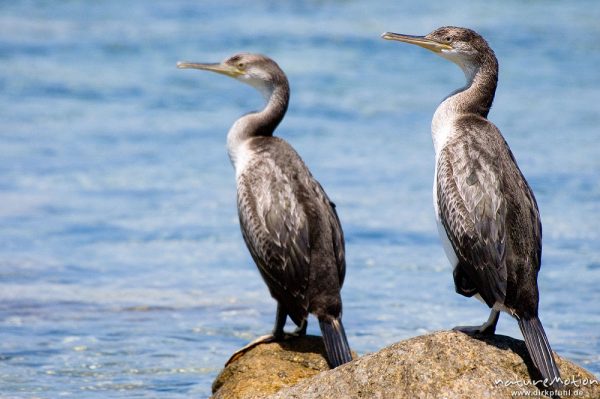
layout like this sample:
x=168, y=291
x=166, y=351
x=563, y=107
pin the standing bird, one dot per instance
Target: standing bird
x=486, y=213
x=290, y=226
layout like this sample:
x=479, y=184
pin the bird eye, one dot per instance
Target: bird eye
x=448, y=39
x=240, y=65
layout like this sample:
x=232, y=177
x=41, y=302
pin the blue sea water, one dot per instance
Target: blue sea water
x=122, y=269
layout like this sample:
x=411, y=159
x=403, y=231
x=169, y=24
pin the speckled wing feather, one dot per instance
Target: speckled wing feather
x=337, y=232
x=338, y=242
x=473, y=210
x=274, y=226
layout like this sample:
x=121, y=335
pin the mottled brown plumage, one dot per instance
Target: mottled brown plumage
x=289, y=223
x=487, y=214
x=290, y=226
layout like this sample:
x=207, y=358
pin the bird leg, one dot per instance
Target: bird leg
x=487, y=328
x=277, y=335
x=301, y=330
x=280, y=318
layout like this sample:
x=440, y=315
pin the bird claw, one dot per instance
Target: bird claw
x=476, y=330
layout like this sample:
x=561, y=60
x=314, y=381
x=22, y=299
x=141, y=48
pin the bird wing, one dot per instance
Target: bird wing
x=275, y=228
x=473, y=211
x=337, y=238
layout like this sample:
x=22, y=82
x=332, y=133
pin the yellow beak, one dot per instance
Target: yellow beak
x=216, y=67
x=422, y=41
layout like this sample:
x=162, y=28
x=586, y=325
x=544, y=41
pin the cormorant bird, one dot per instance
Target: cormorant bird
x=290, y=226
x=486, y=212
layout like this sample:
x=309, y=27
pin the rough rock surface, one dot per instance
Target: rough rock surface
x=267, y=368
x=444, y=364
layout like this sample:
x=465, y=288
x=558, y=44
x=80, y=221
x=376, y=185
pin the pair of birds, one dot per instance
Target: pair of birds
x=487, y=215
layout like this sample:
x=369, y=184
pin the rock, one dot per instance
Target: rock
x=444, y=364
x=267, y=368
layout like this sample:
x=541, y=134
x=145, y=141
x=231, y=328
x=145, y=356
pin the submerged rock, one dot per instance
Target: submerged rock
x=444, y=364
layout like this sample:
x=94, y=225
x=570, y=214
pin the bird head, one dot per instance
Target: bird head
x=256, y=70
x=463, y=46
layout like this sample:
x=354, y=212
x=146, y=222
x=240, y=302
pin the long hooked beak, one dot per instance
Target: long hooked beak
x=422, y=41
x=223, y=69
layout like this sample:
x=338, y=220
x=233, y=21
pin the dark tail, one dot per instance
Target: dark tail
x=336, y=344
x=540, y=351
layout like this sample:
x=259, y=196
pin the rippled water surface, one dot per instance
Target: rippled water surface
x=122, y=269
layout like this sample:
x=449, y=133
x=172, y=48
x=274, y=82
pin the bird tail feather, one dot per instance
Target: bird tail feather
x=540, y=351
x=336, y=344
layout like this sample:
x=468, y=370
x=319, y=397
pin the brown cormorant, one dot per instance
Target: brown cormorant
x=290, y=226
x=486, y=212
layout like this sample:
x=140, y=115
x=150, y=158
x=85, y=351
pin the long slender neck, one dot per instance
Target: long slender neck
x=475, y=97
x=261, y=123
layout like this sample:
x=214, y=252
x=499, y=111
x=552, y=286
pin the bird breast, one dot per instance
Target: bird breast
x=442, y=125
x=238, y=148
x=442, y=130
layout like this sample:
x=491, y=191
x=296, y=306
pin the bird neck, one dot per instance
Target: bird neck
x=477, y=96
x=261, y=123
